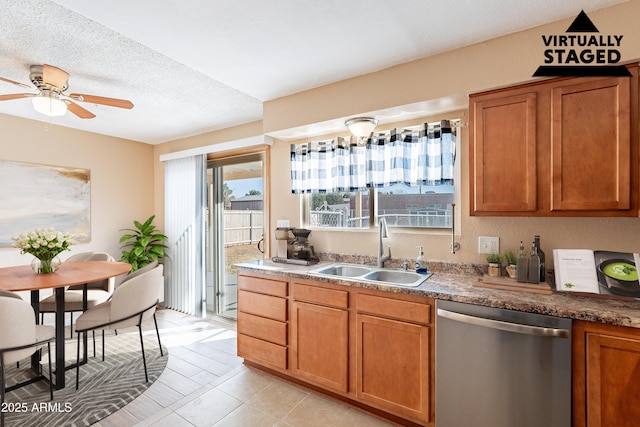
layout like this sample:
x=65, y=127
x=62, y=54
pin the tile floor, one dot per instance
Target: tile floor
x=206, y=384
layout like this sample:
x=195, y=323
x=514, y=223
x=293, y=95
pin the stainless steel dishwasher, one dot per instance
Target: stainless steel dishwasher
x=501, y=368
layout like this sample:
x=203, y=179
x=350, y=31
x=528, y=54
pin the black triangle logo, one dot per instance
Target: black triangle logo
x=582, y=24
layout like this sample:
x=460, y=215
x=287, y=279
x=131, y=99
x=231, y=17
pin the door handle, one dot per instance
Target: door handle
x=504, y=326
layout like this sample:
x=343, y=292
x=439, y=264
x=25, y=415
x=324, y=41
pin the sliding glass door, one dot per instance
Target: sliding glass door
x=235, y=227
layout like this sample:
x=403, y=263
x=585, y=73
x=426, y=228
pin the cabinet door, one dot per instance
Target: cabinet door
x=613, y=380
x=591, y=146
x=503, y=154
x=393, y=366
x=320, y=345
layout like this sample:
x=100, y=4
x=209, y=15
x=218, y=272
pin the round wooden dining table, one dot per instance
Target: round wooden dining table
x=22, y=278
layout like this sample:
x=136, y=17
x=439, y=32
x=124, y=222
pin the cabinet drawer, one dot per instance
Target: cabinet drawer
x=263, y=328
x=263, y=305
x=261, y=351
x=323, y=296
x=397, y=309
x=263, y=286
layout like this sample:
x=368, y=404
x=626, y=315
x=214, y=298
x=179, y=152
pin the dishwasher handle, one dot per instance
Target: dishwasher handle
x=504, y=326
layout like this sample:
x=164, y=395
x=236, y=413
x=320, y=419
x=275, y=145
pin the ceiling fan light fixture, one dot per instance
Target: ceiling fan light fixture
x=49, y=104
x=361, y=127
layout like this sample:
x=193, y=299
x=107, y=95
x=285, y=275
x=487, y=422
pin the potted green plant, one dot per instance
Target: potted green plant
x=143, y=245
x=495, y=264
x=512, y=262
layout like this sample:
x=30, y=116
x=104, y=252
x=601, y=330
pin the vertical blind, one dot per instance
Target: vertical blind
x=184, y=199
x=423, y=156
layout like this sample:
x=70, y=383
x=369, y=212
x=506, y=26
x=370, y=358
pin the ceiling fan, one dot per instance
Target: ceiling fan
x=50, y=100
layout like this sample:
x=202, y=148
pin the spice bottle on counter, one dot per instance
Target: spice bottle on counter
x=522, y=267
x=534, y=265
x=536, y=241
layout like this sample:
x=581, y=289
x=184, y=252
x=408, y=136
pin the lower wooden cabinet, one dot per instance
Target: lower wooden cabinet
x=320, y=335
x=606, y=375
x=320, y=345
x=262, y=321
x=394, y=362
x=370, y=348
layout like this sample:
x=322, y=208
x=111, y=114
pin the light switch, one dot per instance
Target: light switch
x=283, y=223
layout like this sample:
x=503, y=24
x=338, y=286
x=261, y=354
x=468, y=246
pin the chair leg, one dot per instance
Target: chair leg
x=94, y=343
x=71, y=326
x=144, y=359
x=2, y=388
x=103, y=345
x=77, y=363
x=50, y=377
x=158, y=333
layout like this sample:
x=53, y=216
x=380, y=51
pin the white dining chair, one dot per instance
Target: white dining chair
x=131, y=303
x=20, y=337
x=97, y=292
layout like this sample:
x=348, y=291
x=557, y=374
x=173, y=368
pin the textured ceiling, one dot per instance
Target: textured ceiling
x=195, y=66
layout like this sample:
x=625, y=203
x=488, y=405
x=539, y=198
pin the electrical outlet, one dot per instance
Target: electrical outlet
x=488, y=245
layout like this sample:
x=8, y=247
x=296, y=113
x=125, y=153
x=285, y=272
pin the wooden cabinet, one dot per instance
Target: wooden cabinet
x=561, y=147
x=591, y=145
x=320, y=336
x=505, y=134
x=262, y=320
x=606, y=375
x=395, y=355
x=369, y=348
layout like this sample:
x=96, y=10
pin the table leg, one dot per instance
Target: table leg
x=60, y=368
x=35, y=303
x=84, y=334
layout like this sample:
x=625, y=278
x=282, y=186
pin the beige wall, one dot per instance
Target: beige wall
x=121, y=177
x=496, y=63
x=499, y=62
x=128, y=182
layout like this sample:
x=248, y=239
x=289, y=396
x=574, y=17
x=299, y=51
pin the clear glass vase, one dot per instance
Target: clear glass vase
x=45, y=266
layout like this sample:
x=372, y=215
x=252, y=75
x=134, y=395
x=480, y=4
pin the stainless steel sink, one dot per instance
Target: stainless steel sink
x=344, y=270
x=406, y=278
x=373, y=274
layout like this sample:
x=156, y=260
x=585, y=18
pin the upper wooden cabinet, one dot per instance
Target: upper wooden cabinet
x=591, y=145
x=563, y=147
x=505, y=134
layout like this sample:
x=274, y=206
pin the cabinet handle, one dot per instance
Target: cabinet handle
x=504, y=326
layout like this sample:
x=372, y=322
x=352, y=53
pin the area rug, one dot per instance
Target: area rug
x=105, y=386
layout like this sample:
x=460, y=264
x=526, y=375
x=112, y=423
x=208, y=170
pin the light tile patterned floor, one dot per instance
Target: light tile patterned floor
x=205, y=384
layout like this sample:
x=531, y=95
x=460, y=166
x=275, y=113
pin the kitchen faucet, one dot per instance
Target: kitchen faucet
x=384, y=233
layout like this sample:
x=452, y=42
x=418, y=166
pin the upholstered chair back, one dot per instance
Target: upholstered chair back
x=106, y=284
x=17, y=327
x=135, y=295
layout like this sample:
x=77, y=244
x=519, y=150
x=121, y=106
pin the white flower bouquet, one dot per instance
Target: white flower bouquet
x=44, y=244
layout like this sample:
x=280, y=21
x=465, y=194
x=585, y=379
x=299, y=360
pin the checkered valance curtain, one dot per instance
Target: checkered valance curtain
x=414, y=157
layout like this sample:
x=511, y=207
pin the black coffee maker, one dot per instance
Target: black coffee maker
x=298, y=250
x=299, y=247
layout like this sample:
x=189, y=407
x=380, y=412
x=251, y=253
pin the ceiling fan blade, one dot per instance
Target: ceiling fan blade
x=54, y=76
x=15, y=83
x=79, y=111
x=15, y=96
x=112, y=102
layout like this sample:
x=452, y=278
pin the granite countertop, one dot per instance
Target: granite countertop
x=453, y=284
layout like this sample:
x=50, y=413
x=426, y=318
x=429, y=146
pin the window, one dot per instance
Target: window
x=422, y=206
x=404, y=175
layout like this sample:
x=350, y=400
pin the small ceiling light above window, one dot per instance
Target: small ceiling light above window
x=362, y=128
x=49, y=104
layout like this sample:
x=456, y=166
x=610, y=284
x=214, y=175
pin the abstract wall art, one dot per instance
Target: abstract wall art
x=36, y=196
